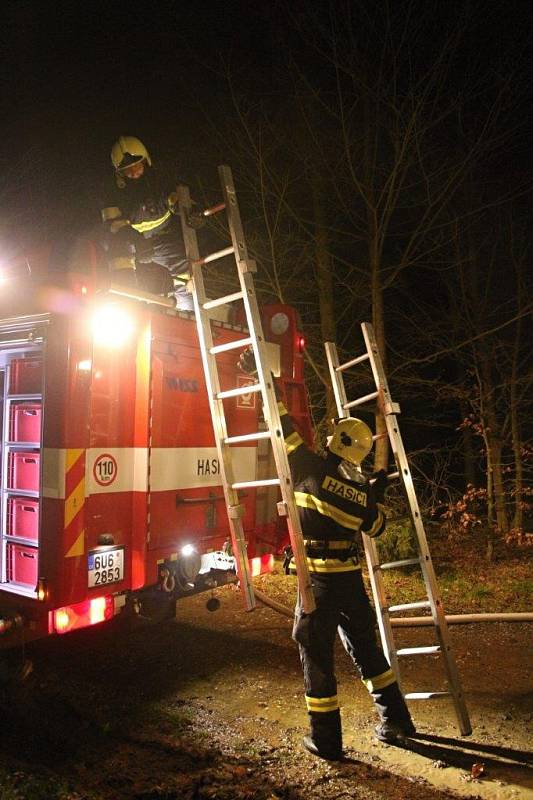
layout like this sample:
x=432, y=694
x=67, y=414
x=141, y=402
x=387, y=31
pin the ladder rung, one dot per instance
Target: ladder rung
x=215, y=256
x=389, y=477
x=222, y=301
x=361, y=401
x=247, y=437
x=409, y=606
x=252, y=484
x=406, y=562
x=418, y=651
x=426, y=695
x=221, y=348
x=352, y=363
x=208, y=212
x=253, y=387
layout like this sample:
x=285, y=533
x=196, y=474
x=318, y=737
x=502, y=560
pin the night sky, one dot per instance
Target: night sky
x=76, y=75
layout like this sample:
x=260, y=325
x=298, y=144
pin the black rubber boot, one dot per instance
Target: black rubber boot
x=325, y=740
x=396, y=724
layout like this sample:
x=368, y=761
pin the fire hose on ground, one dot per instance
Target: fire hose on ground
x=416, y=622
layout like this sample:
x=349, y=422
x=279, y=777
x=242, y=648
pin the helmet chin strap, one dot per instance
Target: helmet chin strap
x=351, y=471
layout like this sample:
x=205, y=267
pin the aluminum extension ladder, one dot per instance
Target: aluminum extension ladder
x=433, y=602
x=264, y=384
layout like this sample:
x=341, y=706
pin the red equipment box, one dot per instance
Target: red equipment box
x=24, y=470
x=25, y=376
x=22, y=564
x=26, y=422
x=23, y=518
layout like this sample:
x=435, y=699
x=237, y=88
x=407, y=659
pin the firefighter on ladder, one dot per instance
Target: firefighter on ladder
x=335, y=501
x=141, y=225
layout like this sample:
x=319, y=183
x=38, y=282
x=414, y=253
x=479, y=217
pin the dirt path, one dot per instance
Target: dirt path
x=211, y=706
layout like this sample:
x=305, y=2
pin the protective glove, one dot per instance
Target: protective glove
x=379, y=485
x=118, y=224
x=246, y=362
x=196, y=220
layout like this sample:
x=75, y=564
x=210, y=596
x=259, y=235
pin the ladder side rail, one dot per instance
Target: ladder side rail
x=337, y=379
x=233, y=506
x=428, y=572
x=370, y=546
x=429, y=577
x=270, y=404
x=383, y=617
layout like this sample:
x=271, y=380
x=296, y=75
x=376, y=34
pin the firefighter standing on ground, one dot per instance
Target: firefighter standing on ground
x=140, y=220
x=335, y=501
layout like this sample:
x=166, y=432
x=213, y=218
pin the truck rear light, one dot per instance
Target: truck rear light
x=81, y=615
x=42, y=590
x=300, y=343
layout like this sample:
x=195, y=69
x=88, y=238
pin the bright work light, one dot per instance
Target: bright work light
x=111, y=325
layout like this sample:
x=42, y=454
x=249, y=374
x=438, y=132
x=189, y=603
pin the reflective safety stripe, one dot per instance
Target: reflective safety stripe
x=332, y=565
x=149, y=225
x=281, y=408
x=379, y=681
x=329, y=565
x=376, y=527
x=333, y=545
x=292, y=442
x=304, y=500
x=322, y=704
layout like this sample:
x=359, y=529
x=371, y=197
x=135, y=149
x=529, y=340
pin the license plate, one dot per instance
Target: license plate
x=106, y=566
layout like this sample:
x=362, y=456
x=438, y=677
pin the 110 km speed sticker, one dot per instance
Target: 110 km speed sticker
x=105, y=469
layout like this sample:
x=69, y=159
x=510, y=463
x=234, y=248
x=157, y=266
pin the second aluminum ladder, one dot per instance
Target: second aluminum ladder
x=255, y=340
x=381, y=397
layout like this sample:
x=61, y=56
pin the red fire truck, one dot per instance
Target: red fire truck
x=110, y=488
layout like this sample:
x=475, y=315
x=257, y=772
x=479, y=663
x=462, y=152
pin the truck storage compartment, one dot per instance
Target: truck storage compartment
x=25, y=422
x=25, y=375
x=23, y=470
x=22, y=565
x=23, y=518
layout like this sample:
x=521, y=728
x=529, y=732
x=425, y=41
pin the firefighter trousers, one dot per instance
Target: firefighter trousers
x=342, y=605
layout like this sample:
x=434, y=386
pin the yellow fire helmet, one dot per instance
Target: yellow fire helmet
x=351, y=440
x=128, y=150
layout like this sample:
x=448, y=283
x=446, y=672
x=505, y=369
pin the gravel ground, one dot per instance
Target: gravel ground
x=210, y=705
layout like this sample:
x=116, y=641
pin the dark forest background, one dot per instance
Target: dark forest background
x=381, y=153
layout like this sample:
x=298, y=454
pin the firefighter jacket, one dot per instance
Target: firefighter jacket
x=332, y=508
x=139, y=222
x=145, y=203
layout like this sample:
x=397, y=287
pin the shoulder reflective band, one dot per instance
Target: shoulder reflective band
x=149, y=225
